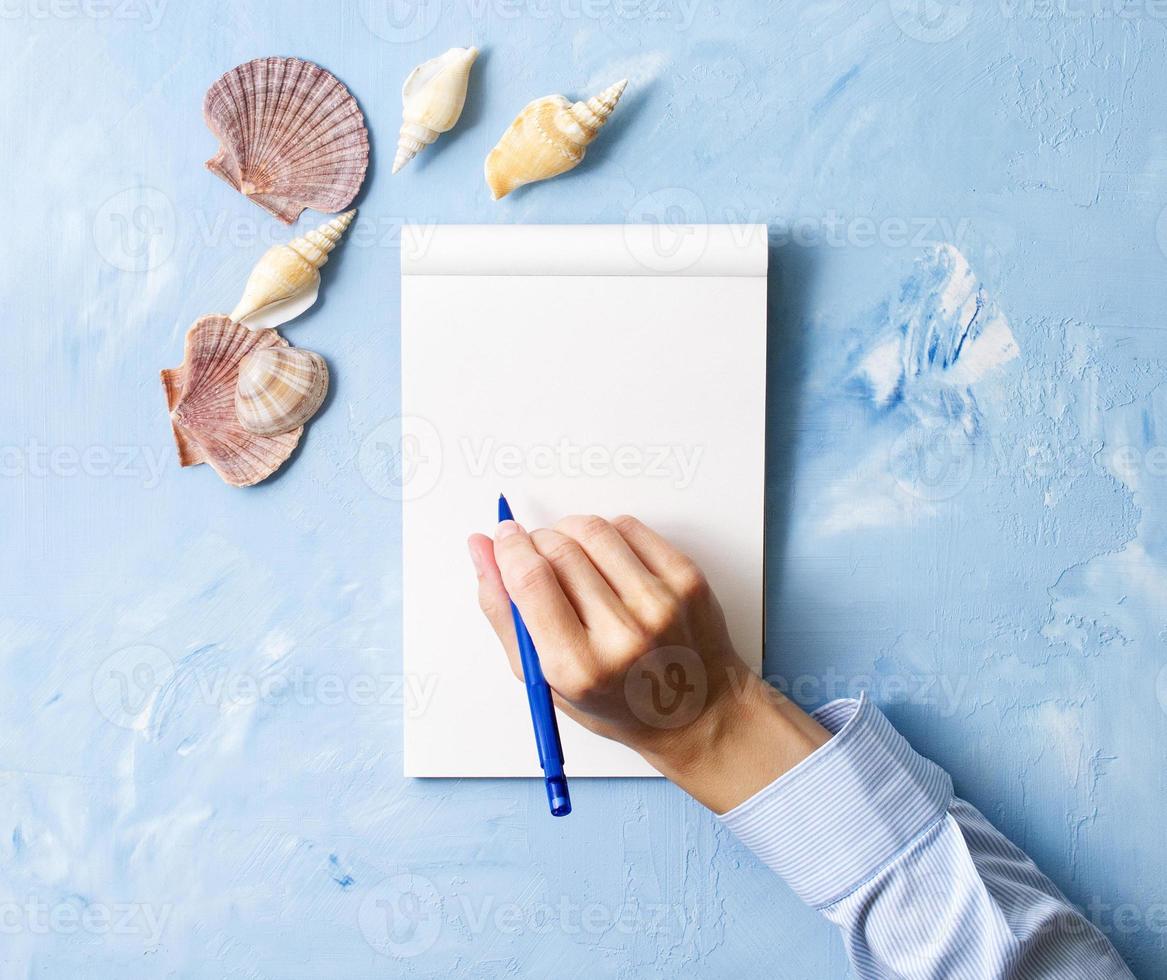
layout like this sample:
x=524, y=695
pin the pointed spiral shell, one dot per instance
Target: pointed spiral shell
x=286, y=279
x=432, y=100
x=549, y=137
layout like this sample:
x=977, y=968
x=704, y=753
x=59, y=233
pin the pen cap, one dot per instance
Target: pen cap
x=557, y=796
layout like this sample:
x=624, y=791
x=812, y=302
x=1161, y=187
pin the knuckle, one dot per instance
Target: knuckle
x=636, y=641
x=488, y=604
x=555, y=547
x=532, y=576
x=627, y=524
x=577, y=681
x=688, y=580
x=583, y=527
x=566, y=525
x=660, y=613
x=593, y=527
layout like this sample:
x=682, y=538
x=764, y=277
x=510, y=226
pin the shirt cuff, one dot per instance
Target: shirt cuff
x=846, y=810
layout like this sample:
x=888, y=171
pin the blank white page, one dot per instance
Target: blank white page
x=578, y=369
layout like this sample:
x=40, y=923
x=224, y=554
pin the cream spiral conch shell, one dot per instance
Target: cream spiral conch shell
x=280, y=388
x=286, y=279
x=549, y=137
x=432, y=99
x=200, y=394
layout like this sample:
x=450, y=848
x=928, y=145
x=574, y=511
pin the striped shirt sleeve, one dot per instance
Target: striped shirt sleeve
x=921, y=885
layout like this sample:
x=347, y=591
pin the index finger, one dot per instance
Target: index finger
x=534, y=588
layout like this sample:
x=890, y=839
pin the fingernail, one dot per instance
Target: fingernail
x=475, y=557
x=507, y=528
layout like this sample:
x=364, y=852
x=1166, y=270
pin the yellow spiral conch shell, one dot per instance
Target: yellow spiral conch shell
x=549, y=137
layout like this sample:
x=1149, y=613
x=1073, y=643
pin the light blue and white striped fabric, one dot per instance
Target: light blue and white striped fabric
x=920, y=883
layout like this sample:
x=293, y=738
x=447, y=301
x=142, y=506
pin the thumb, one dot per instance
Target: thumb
x=493, y=599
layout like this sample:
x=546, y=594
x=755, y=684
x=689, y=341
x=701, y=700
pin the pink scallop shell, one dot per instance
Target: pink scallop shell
x=200, y=394
x=291, y=136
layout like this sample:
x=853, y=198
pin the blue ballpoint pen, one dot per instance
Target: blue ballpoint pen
x=542, y=708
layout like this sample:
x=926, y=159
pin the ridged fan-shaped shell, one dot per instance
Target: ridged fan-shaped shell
x=549, y=137
x=200, y=394
x=291, y=136
x=279, y=389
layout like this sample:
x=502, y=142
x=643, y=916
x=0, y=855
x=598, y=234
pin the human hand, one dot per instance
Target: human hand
x=634, y=646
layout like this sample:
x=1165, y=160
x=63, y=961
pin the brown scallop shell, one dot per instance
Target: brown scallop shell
x=200, y=394
x=291, y=136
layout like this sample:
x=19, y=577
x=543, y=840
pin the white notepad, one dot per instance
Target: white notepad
x=579, y=369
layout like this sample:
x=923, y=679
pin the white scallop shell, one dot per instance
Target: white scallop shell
x=279, y=389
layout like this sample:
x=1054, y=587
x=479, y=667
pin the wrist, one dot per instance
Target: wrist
x=747, y=736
